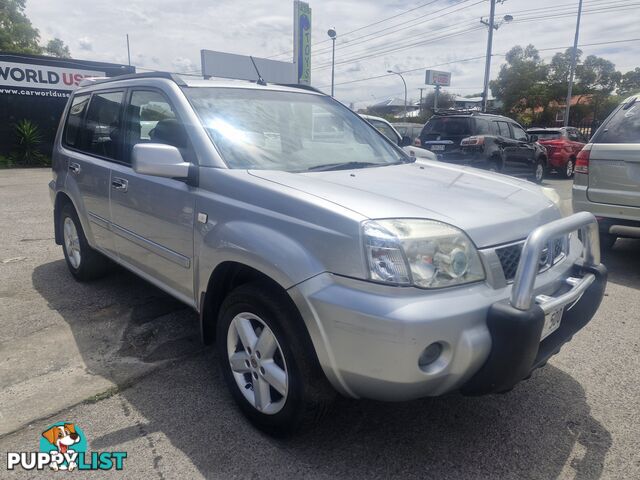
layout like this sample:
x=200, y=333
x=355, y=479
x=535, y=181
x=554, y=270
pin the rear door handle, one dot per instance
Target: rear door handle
x=119, y=184
x=74, y=167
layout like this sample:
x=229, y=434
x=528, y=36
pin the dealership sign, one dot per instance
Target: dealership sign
x=302, y=41
x=434, y=77
x=42, y=77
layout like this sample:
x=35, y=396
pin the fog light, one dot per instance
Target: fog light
x=430, y=354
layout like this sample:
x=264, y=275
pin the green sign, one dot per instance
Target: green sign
x=302, y=40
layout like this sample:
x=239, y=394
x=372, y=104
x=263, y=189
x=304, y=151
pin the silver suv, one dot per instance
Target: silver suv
x=320, y=257
x=607, y=174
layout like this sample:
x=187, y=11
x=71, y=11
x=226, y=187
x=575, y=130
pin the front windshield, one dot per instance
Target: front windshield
x=290, y=131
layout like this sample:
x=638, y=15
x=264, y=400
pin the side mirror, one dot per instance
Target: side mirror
x=533, y=138
x=405, y=141
x=159, y=160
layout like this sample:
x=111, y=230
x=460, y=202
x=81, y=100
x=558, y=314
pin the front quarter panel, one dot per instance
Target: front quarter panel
x=285, y=234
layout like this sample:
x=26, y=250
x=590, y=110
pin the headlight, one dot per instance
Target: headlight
x=424, y=253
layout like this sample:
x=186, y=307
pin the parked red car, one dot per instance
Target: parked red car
x=563, y=145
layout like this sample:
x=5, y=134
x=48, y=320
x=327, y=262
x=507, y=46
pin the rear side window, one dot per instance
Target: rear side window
x=74, y=120
x=482, y=127
x=622, y=127
x=103, y=130
x=519, y=133
x=503, y=129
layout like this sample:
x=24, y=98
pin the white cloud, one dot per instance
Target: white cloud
x=169, y=35
x=84, y=43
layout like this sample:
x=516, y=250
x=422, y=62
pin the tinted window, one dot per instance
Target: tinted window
x=622, y=127
x=519, y=133
x=447, y=126
x=74, y=120
x=573, y=135
x=503, y=129
x=103, y=131
x=482, y=127
x=152, y=119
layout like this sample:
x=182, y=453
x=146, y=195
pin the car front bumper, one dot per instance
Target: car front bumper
x=369, y=337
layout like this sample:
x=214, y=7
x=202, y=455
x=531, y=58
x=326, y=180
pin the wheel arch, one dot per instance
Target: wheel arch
x=227, y=276
x=61, y=200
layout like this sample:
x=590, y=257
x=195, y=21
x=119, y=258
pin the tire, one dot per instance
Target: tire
x=607, y=241
x=495, y=164
x=84, y=262
x=305, y=395
x=568, y=170
x=539, y=171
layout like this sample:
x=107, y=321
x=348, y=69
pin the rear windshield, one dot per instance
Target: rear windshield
x=623, y=126
x=546, y=134
x=448, y=126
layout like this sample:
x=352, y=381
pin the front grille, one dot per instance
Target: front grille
x=509, y=256
x=509, y=259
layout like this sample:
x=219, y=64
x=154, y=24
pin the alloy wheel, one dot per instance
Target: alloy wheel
x=569, y=168
x=539, y=172
x=71, y=242
x=257, y=363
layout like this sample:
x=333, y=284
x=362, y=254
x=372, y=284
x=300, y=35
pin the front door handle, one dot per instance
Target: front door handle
x=74, y=167
x=119, y=184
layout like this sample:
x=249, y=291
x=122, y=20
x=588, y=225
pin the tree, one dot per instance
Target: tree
x=521, y=82
x=17, y=35
x=597, y=75
x=16, y=32
x=57, y=48
x=630, y=83
x=559, y=72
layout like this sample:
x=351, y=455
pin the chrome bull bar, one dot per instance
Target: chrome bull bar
x=524, y=282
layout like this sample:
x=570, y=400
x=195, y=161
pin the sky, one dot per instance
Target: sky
x=406, y=35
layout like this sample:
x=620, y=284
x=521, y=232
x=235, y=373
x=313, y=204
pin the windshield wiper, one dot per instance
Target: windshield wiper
x=344, y=166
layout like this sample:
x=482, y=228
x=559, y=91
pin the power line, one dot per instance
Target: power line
x=386, y=19
x=354, y=42
x=611, y=42
x=377, y=53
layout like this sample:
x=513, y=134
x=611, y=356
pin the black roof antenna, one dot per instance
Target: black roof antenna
x=260, y=79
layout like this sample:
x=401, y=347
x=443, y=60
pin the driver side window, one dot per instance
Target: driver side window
x=151, y=119
x=519, y=134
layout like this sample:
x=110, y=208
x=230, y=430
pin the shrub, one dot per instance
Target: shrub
x=28, y=140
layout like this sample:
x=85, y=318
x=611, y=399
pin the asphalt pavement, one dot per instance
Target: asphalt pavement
x=122, y=360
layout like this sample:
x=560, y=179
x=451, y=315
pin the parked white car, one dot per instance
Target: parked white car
x=405, y=142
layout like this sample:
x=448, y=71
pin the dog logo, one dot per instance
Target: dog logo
x=63, y=446
x=63, y=437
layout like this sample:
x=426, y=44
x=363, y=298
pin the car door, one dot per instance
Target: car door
x=507, y=143
x=576, y=141
x=525, y=152
x=153, y=217
x=91, y=140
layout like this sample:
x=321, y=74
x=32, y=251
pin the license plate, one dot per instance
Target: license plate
x=551, y=322
x=437, y=148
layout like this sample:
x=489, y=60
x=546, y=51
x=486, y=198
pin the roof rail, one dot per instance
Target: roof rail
x=301, y=86
x=166, y=75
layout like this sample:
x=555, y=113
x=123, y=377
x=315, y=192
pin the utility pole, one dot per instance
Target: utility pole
x=332, y=35
x=574, y=58
x=128, y=50
x=491, y=23
x=487, y=65
x=435, y=98
x=421, y=89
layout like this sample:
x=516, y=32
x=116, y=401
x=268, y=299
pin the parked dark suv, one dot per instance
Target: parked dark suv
x=486, y=141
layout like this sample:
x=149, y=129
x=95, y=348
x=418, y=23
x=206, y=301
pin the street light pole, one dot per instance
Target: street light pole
x=332, y=35
x=574, y=58
x=405, y=91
